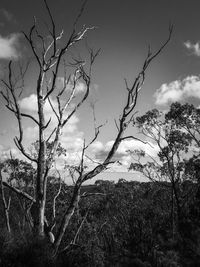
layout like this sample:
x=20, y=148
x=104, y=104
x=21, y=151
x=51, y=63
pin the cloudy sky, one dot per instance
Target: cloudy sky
x=123, y=32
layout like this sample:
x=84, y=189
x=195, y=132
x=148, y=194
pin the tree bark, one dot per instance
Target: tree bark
x=6, y=205
x=41, y=165
x=67, y=216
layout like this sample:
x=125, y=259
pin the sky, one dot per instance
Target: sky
x=123, y=32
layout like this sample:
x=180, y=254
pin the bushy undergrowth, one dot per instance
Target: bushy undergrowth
x=129, y=226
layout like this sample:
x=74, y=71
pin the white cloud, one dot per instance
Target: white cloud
x=79, y=88
x=96, y=146
x=31, y=134
x=100, y=151
x=178, y=90
x=72, y=142
x=71, y=138
x=5, y=152
x=8, y=46
x=194, y=48
x=30, y=104
x=149, y=148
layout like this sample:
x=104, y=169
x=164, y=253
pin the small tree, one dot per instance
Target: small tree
x=51, y=59
x=169, y=164
x=186, y=118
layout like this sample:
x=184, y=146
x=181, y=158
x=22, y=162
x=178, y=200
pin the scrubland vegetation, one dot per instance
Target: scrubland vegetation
x=44, y=221
x=116, y=224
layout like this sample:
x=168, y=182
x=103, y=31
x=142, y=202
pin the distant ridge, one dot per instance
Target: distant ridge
x=111, y=176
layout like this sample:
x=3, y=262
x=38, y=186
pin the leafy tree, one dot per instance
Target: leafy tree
x=172, y=146
x=186, y=117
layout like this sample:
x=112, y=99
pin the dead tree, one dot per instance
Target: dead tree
x=50, y=62
x=126, y=118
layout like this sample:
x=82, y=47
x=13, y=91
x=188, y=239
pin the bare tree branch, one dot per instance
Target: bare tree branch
x=19, y=192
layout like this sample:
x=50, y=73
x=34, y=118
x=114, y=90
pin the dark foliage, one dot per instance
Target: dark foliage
x=117, y=224
x=128, y=226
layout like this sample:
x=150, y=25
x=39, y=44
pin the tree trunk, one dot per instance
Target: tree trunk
x=67, y=216
x=6, y=205
x=41, y=166
x=39, y=219
x=7, y=220
x=39, y=214
x=172, y=213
